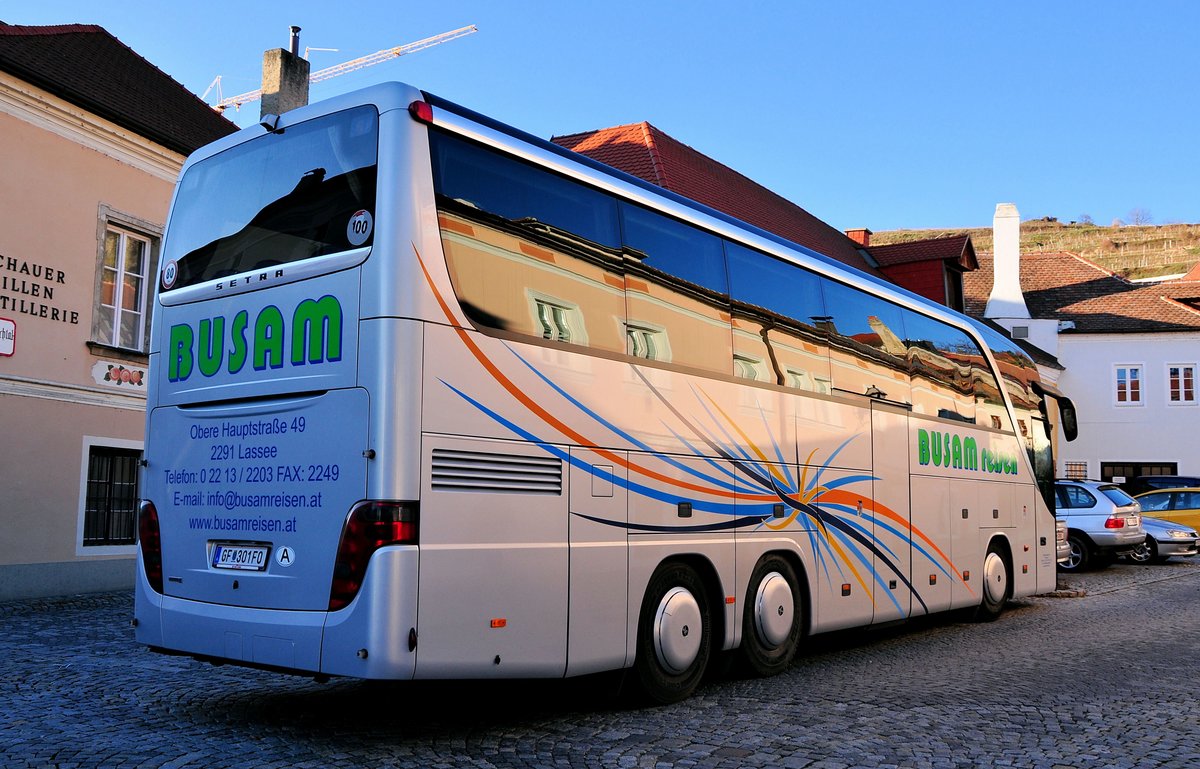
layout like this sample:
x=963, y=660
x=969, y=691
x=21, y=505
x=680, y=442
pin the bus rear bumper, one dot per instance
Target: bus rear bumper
x=373, y=637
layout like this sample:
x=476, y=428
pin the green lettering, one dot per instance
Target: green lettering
x=212, y=345
x=179, y=353
x=237, y=355
x=268, y=339
x=970, y=454
x=922, y=446
x=956, y=452
x=937, y=450
x=319, y=324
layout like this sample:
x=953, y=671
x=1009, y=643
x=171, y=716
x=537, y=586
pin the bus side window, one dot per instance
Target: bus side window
x=939, y=362
x=676, y=292
x=867, y=352
x=776, y=307
x=525, y=248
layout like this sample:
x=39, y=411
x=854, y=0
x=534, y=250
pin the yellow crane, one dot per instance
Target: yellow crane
x=378, y=57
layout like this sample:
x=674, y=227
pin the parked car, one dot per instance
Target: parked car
x=1103, y=522
x=1179, y=505
x=1164, y=539
x=1062, y=545
x=1143, y=483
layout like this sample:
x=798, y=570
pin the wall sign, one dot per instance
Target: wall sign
x=113, y=374
x=8, y=336
x=28, y=288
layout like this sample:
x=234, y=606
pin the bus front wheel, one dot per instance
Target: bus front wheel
x=772, y=618
x=674, y=634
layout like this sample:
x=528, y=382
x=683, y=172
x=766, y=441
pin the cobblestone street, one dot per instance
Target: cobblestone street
x=1103, y=676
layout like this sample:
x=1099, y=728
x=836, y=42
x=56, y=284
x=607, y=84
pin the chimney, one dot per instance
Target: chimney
x=860, y=236
x=285, y=78
x=1007, y=299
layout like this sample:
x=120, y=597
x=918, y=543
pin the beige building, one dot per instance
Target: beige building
x=92, y=138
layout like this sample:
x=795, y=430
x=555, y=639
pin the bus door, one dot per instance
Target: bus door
x=892, y=517
x=598, y=610
x=492, y=594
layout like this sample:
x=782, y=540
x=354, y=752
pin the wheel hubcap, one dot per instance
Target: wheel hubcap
x=678, y=628
x=774, y=610
x=995, y=578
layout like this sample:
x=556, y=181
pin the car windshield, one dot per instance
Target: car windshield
x=1118, y=497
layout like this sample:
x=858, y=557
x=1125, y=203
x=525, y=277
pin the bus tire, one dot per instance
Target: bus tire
x=674, y=634
x=997, y=583
x=772, y=621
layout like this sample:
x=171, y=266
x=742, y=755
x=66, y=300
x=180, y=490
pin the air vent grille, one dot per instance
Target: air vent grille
x=477, y=471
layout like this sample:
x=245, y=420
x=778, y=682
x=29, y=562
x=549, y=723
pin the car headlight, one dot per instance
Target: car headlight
x=1180, y=534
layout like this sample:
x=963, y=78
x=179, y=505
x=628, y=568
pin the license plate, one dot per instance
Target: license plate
x=241, y=557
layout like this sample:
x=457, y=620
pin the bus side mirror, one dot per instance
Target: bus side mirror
x=1066, y=415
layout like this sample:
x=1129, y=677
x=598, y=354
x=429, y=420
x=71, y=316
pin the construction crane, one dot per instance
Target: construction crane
x=378, y=57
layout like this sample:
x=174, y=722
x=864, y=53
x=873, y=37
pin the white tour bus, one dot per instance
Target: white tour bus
x=433, y=398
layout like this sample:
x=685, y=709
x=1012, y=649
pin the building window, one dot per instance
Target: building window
x=111, y=497
x=1181, y=384
x=120, y=317
x=646, y=341
x=1129, y=385
x=746, y=367
x=1076, y=471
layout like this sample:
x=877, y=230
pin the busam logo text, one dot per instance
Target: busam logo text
x=217, y=344
x=961, y=453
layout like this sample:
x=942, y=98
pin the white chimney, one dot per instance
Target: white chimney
x=1007, y=299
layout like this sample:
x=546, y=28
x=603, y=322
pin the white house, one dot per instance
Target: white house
x=1130, y=353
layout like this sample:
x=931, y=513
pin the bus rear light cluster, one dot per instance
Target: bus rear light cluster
x=370, y=526
x=150, y=543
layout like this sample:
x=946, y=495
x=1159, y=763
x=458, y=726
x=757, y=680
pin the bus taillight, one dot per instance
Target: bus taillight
x=370, y=526
x=421, y=111
x=151, y=544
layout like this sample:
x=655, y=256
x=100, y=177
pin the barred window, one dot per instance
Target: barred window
x=110, y=507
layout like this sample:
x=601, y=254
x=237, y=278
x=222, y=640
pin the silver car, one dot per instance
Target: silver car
x=1102, y=522
x=1164, y=539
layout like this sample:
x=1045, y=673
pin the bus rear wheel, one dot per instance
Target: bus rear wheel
x=772, y=618
x=674, y=634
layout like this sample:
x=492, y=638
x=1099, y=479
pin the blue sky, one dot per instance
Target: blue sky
x=871, y=114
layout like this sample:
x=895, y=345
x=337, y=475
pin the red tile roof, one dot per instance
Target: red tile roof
x=88, y=67
x=641, y=150
x=1064, y=286
x=953, y=248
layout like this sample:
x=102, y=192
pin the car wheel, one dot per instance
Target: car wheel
x=773, y=617
x=1152, y=551
x=997, y=583
x=1081, y=554
x=674, y=634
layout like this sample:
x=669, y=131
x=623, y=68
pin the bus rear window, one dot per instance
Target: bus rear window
x=280, y=198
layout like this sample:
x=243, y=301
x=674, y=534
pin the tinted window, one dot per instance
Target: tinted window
x=867, y=349
x=1187, y=500
x=675, y=248
x=532, y=197
x=776, y=309
x=939, y=362
x=1155, y=502
x=1078, y=497
x=1118, y=497
x=276, y=199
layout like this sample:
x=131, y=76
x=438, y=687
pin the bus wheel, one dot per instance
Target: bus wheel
x=997, y=584
x=674, y=634
x=772, y=619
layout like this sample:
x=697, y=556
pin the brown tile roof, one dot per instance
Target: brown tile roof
x=1064, y=286
x=88, y=67
x=644, y=151
x=953, y=248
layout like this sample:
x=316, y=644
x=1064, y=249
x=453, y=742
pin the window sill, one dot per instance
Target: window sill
x=137, y=356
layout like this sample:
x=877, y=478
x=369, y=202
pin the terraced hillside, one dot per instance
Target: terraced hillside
x=1130, y=251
